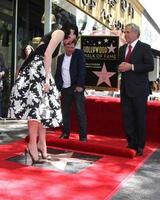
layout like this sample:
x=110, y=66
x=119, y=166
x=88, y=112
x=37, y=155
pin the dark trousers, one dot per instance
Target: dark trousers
x=134, y=116
x=68, y=97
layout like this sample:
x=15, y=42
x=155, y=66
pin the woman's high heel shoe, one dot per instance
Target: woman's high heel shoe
x=27, y=151
x=47, y=157
x=25, y=156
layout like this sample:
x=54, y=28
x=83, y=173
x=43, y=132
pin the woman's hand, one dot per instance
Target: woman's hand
x=46, y=87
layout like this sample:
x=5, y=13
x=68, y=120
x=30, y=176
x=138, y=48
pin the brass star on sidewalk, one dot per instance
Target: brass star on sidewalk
x=104, y=76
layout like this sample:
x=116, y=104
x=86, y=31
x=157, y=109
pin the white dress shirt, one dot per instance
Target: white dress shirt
x=66, y=71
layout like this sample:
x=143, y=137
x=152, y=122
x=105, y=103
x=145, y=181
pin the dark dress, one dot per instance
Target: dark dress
x=28, y=99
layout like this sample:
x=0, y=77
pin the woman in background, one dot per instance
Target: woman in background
x=25, y=53
x=34, y=95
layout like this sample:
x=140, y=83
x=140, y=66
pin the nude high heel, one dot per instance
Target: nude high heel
x=46, y=157
x=34, y=162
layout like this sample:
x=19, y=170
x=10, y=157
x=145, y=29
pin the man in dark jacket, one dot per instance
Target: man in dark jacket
x=136, y=60
x=70, y=80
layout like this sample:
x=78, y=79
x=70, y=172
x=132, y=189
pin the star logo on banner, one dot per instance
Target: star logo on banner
x=104, y=76
x=111, y=48
x=105, y=40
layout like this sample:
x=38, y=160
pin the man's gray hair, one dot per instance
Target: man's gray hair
x=134, y=28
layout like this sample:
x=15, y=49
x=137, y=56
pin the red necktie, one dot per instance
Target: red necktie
x=127, y=58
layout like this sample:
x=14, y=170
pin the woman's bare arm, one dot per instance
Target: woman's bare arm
x=56, y=38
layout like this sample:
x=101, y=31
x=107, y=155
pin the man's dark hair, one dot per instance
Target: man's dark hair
x=67, y=27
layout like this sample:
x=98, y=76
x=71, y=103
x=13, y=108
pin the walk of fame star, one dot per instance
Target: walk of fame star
x=61, y=160
x=104, y=76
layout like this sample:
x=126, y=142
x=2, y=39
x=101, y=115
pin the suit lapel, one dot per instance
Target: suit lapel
x=134, y=52
x=61, y=60
x=124, y=51
x=72, y=60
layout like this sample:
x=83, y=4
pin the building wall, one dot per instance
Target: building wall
x=112, y=13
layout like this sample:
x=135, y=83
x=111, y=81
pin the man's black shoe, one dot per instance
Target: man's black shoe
x=139, y=152
x=64, y=136
x=132, y=147
x=83, y=139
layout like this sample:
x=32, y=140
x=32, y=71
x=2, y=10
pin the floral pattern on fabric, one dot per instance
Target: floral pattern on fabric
x=29, y=101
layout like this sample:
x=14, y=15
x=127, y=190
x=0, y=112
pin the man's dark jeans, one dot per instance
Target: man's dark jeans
x=68, y=97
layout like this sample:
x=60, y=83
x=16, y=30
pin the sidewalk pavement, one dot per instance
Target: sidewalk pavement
x=11, y=130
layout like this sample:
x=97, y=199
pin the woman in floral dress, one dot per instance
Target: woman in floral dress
x=34, y=95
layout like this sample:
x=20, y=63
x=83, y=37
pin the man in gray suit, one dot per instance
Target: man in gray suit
x=136, y=60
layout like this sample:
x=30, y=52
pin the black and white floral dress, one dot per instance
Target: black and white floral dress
x=28, y=99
